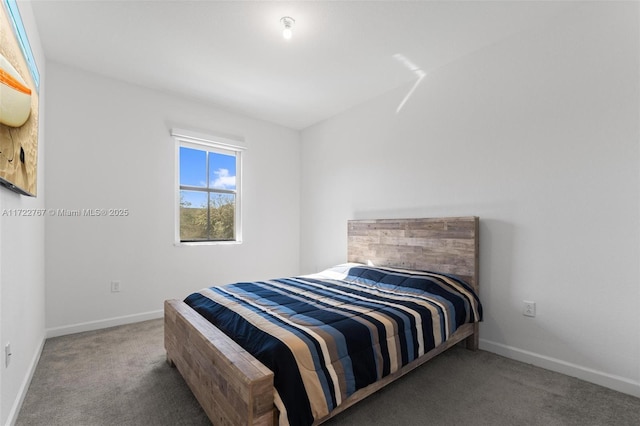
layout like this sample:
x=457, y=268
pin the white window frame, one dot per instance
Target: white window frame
x=211, y=143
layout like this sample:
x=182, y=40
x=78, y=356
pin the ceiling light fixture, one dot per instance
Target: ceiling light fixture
x=288, y=23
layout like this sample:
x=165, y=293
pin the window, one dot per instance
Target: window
x=208, y=188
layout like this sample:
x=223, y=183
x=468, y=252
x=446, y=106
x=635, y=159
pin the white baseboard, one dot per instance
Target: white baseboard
x=620, y=384
x=24, y=387
x=100, y=324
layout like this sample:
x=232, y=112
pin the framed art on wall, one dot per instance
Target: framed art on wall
x=19, y=85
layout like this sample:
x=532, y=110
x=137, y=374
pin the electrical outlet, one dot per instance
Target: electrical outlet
x=529, y=308
x=7, y=354
x=115, y=286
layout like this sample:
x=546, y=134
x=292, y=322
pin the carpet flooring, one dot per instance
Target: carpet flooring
x=118, y=376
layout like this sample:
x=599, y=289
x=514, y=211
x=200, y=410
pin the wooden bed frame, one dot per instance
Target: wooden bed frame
x=234, y=388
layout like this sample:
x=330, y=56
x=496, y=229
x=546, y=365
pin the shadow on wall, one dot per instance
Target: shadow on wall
x=496, y=270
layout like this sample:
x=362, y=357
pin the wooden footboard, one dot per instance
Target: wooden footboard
x=232, y=386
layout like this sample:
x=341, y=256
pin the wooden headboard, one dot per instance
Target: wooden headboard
x=447, y=245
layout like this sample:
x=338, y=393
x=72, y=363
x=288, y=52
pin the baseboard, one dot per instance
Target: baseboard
x=620, y=384
x=24, y=387
x=100, y=324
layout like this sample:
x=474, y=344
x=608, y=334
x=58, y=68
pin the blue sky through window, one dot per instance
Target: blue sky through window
x=193, y=167
x=222, y=173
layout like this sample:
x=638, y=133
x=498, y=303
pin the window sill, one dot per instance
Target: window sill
x=206, y=243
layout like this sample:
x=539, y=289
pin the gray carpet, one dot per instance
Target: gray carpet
x=119, y=376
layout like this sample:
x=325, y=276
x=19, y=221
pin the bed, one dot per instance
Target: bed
x=235, y=388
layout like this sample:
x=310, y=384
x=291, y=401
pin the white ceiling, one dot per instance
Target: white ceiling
x=232, y=54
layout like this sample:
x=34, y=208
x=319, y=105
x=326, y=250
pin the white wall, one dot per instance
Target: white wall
x=109, y=146
x=538, y=136
x=22, y=266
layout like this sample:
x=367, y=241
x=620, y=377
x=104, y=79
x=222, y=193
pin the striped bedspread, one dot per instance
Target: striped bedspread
x=329, y=334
